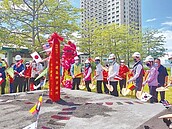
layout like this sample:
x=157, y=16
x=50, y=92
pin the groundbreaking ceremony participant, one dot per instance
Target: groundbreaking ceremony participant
x=18, y=74
x=105, y=75
x=137, y=72
x=2, y=78
x=152, y=78
x=76, y=73
x=162, y=78
x=123, y=70
x=99, y=75
x=87, y=74
x=112, y=73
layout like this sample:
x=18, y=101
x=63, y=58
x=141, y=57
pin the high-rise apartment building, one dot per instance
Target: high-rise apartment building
x=112, y=11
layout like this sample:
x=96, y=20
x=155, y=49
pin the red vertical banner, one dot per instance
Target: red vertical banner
x=54, y=68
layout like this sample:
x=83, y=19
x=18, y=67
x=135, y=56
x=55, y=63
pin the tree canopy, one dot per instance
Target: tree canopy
x=122, y=40
x=30, y=22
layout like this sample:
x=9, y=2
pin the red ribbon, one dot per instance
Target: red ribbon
x=54, y=68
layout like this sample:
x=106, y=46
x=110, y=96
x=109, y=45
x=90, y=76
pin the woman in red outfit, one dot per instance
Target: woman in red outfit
x=27, y=75
x=123, y=70
x=105, y=75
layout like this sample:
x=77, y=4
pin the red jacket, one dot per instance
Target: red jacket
x=105, y=75
x=123, y=70
x=27, y=72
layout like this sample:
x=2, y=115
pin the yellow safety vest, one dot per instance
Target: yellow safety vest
x=77, y=70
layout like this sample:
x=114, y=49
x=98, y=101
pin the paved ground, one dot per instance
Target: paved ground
x=80, y=109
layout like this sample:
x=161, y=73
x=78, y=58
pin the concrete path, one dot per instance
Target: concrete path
x=76, y=110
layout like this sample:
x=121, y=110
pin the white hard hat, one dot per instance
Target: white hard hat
x=76, y=58
x=136, y=54
x=111, y=56
x=17, y=57
x=122, y=61
x=97, y=58
x=149, y=58
x=87, y=61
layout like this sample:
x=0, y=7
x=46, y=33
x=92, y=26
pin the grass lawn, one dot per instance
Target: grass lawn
x=168, y=94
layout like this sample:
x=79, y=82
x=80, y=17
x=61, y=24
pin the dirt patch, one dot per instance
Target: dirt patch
x=155, y=122
x=90, y=110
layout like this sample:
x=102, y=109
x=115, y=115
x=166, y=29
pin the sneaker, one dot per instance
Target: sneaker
x=161, y=101
x=166, y=104
x=167, y=121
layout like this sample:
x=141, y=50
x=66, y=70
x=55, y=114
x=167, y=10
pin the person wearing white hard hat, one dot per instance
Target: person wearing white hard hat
x=113, y=72
x=98, y=75
x=76, y=73
x=138, y=72
x=152, y=78
x=18, y=74
x=87, y=74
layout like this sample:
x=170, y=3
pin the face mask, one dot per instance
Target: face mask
x=87, y=65
x=33, y=65
x=148, y=65
x=135, y=60
x=156, y=64
x=27, y=65
x=96, y=62
x=110, y=61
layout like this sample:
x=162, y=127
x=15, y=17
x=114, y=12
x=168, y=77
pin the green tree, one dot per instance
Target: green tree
x=85, y=42
x=153, y=43
x=30, y=21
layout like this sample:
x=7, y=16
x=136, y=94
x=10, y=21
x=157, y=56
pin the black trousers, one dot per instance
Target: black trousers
x=152, y=91
x=18, y=83
x=76, y=82
x=99, y=86
x=122, y=84
x=115, y=91
x=162, y=95
x=26, y=84
x=87, y=85
x=105, y=87
x=3, y=87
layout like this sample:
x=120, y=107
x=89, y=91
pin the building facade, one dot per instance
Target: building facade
x=112, y=11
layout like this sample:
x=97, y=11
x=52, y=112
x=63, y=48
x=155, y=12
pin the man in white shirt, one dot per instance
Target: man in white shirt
x=99, y=75
x=112, y=73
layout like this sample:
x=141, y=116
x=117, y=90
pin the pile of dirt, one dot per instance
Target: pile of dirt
x=155, y=122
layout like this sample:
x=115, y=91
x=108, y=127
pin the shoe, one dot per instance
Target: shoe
x=161, y=101
x=166, y=104
x=167, y=121
x=147, y=127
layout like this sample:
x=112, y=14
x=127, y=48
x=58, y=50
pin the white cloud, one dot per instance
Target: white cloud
x=168, y=35
x=150, y=20
x=167, y=23
x=169, y=17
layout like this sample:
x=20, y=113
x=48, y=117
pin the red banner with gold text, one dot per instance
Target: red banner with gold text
x=54, y=68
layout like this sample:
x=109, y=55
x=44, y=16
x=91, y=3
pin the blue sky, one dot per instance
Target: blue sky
x=158, y=14
x=155, y=14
